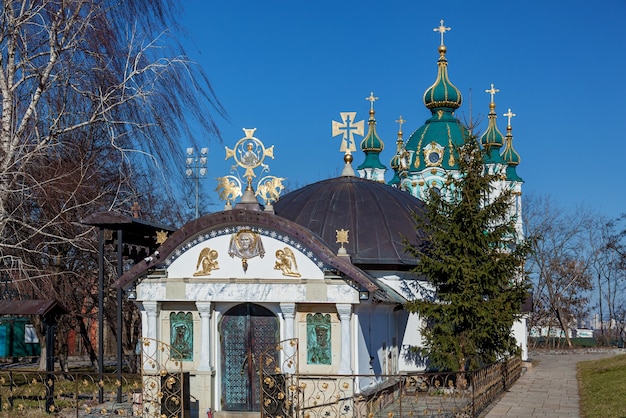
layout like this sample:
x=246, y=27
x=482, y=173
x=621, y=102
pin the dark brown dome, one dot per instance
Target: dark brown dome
x=377, y=216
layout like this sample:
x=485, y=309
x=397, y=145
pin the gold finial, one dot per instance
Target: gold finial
x=492, y=91
x=249, y=153
x=342, y=238
x=371, y=99
x=442, y=30
x=509, y=115
x=161, y=236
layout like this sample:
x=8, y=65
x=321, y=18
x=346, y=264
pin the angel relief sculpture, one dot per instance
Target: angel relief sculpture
x=286, y=262
x=207, y=262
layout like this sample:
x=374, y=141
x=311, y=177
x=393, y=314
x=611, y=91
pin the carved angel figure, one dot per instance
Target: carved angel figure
x=207, y=262
x=286, y=262
x=228, y=188
x=269, y=188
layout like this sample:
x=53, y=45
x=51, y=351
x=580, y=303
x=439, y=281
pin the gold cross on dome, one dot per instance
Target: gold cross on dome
x=347, y=128
x=492, y=91
x=371, y=99
x=400, y=122
x=509, y=115
x=442, y=30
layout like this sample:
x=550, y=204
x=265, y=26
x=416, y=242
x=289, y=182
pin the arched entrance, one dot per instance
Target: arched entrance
x=246, y=331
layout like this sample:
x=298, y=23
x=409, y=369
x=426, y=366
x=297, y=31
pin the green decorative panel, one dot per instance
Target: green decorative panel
x=181, y=335
x=318, y=330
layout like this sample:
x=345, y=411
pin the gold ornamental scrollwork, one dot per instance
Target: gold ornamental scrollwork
x=249, y=153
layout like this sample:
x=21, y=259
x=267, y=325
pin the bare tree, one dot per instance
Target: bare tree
x=96, y=95
x=610, y=270
x=559, y=264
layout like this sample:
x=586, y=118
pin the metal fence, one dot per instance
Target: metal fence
x=77, y=394
x=68, y=394
x=402, y=395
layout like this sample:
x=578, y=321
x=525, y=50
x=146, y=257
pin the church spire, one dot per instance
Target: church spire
x=492, y=140
x=372, y=146
x=399, y=161
x=442, y=94
x=509, y=155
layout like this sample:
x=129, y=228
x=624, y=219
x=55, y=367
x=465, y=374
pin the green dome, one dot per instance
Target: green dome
x=511, y=157
x=442, y=131
x=372, y=145
x=442, y=93
x=492, y=140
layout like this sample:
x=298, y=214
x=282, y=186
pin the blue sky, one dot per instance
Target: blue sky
x=288, y=68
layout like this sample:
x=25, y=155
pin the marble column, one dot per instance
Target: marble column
x=345, y=314
x=289, y=349
x=152, y=311
x=206, y=350
x=149, y=348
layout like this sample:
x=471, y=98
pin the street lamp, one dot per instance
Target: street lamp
x=196, y=168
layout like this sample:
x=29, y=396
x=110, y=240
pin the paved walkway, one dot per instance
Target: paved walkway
x=547, y=389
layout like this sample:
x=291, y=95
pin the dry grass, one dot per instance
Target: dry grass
x=602, y=385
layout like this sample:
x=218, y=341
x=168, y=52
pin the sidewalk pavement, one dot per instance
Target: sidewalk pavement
x=547, y=389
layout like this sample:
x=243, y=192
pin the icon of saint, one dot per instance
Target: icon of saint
x=246, y=244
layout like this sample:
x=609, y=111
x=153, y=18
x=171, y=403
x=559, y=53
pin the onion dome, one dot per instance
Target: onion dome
x=492, y=140
x=376, y=216
x=372, y=146
x=442, y=93
x=509, y=155
x=398, y=162
x=432, y=146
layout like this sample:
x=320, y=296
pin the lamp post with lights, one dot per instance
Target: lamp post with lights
x=196, y=168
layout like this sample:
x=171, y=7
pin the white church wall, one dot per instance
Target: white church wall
x=520, y=332
x=187, y=265
x=408, y=360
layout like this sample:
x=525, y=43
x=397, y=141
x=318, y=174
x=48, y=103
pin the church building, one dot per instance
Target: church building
x=322, y=268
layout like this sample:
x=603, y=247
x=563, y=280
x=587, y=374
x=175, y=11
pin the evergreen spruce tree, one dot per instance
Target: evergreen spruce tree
x=471, y=261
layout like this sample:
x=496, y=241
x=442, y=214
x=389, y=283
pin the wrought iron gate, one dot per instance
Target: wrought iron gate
x=279, y=380
x=162, y=394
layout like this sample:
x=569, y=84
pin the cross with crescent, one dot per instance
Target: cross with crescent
x=509, y=115
x=442, y=30
x=371, y=99
x=492, y=91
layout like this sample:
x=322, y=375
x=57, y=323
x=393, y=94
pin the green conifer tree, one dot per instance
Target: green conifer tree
x=471, y=263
